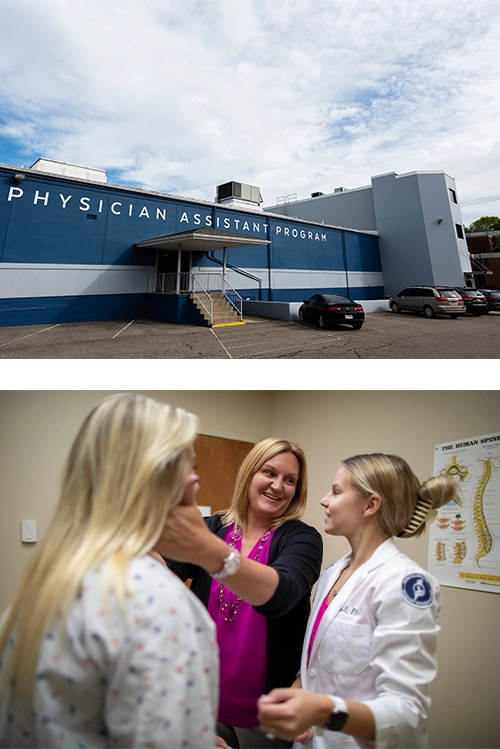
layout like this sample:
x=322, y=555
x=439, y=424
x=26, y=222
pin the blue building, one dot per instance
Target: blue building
x=74, y=248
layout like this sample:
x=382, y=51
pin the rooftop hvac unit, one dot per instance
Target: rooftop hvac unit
x=316, y=194
x=340, y=189
x=240, y=191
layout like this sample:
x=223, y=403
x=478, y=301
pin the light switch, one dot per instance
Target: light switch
x=28, y=531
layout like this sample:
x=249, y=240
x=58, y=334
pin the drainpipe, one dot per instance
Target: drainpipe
x=344, y=255
x=178, y=279
x=224, y=257
x=269, y=271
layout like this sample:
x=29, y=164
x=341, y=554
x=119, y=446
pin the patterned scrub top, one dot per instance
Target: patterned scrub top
x=149, y=679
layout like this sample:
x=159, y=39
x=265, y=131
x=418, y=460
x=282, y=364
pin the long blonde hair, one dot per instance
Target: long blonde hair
x=126, y=468
x=258, y=455
x=405, y=502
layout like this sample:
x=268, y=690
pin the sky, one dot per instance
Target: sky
x=294, y=96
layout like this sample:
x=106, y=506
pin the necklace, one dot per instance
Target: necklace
x=229, y=609
x=334, y=592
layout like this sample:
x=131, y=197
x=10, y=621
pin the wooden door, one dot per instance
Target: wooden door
x=218, y=460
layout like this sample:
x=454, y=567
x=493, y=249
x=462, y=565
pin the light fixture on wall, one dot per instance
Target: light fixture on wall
x=440, y=220
x=19, y=177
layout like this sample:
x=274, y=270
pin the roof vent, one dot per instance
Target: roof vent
x=63, y=169
x=316, y=194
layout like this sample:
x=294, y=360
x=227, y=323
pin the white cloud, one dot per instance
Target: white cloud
x=293, y=95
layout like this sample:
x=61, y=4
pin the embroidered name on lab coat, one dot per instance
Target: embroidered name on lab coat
x=350, y=610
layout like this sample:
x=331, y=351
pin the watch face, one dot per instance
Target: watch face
x=232, y=564
x=336, y=721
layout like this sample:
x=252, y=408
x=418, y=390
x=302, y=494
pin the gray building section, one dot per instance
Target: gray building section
x=353, y=208
x=417, y=217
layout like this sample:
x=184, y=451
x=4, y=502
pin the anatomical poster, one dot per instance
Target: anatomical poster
x=464, y=541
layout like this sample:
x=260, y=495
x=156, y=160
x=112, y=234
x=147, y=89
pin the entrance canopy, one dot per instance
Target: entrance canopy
x=201, y=240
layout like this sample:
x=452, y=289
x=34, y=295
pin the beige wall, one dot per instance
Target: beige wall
x=36, y=429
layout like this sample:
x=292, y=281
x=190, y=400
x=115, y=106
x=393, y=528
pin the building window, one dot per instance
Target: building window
x=460, y=231
x=453, y=196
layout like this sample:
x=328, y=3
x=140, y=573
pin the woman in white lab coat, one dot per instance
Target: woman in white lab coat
x=370, y=648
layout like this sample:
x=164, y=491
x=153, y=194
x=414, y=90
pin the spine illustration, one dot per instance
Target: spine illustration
x=455, y=469
x=480, y=525
x=440, y=552
x=459, y=552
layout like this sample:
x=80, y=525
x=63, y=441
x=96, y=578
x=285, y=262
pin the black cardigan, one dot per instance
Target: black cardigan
x=296, y=553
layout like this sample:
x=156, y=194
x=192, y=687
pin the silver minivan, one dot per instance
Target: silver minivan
x=431, y=300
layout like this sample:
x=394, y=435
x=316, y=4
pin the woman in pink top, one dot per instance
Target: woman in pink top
x=253, y=566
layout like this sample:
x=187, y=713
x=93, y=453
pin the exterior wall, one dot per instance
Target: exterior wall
x=350, y=208
x=414, y=247
x=480, y=242
x=448, y=251
x=483, y=262
x=483, y=258
x=67, y=247
x=404, y=210
x=303, y=259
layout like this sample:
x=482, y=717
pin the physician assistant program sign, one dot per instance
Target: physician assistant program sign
x=464, y=542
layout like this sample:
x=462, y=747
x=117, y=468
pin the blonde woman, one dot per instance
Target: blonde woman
x=253, y=567
x=370, y=648
x=103, y=646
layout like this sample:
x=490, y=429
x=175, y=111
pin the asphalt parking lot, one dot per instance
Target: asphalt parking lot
x=383, y=336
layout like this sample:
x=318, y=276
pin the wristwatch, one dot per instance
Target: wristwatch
x=230, y=567
x=338, y=716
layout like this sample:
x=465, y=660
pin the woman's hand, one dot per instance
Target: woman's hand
x=185, y=531
x=184, y=534
x=290, y=713
x=304, y=738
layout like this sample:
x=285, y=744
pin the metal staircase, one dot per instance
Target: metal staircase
x=216, y=309
x=218, y=303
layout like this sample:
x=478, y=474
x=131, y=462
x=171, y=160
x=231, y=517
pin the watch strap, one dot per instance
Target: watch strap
x=338, y=716
x=229, y=567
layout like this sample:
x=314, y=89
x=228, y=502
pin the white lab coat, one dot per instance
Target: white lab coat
x=376, y=644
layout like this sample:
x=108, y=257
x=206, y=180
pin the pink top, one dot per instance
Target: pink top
x=242, y=650
x=316, y=624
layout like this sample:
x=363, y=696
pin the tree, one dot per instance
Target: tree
x=485, y=223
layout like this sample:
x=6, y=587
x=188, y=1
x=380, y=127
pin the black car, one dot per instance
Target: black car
x=332, y=309
x=492, y=297
x=474, y=301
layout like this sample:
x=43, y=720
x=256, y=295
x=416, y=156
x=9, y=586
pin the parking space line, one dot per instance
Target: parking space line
x=121, y=331
x=219, y=341
x=297, y=342
x=14, y=340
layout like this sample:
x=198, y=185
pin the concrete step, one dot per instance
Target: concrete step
x=222, y=312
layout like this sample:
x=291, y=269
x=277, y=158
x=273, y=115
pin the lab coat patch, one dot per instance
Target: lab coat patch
x=416, y=590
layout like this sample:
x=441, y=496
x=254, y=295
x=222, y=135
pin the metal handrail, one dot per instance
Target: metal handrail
x=200, y=296
x=217, y=282
x=199, y=285
x=169, y=283
x=235, y=269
